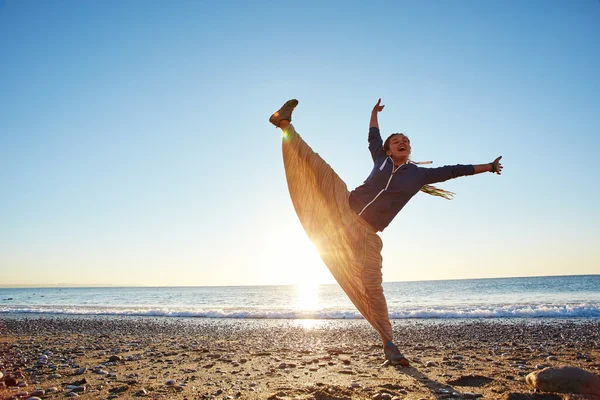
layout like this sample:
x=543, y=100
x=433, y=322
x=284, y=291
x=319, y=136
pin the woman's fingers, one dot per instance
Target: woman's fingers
x=498, y=165
x=378, y=107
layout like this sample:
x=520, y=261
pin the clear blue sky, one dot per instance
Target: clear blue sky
x=135, y=146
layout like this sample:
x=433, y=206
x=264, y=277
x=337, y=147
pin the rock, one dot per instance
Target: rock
x=114, y=358
x=81, y=371
x=141, y=392
x=469, y=395
x=119, y=389
x=33, y=398
x=170, y=382
x=78, y=389
x=37, y=393
x=564, y=380
x=54, y=376
x=11, y=381
x=80, y=382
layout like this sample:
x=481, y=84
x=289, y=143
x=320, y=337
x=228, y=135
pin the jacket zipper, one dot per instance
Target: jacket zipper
x=382, y=190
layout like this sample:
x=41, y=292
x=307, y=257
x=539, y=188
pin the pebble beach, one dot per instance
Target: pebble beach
x=190, y=358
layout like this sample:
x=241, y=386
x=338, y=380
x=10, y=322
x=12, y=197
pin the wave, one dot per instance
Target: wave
x=500, y=311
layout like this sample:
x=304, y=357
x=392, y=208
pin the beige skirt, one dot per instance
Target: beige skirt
x=348, y=246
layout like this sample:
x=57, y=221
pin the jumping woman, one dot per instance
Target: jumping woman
x=343, y=225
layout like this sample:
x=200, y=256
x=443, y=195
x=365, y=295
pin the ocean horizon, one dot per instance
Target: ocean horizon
x=571, y=296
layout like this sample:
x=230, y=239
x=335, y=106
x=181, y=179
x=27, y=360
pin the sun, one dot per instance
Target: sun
x=293, y=259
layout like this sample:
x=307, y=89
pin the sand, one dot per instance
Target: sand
x=179, y=358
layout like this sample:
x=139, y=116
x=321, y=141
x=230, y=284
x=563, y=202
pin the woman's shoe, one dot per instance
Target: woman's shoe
x=284, y=113
x=393, y=355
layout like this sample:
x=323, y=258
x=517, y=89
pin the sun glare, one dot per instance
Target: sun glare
x=307, y=297
x=294, y=260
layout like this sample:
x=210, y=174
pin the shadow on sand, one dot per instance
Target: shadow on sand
x=445, y=390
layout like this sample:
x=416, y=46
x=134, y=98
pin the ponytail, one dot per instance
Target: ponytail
x=434, y=191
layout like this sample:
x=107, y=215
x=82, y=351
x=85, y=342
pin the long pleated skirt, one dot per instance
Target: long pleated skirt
x=348, y=246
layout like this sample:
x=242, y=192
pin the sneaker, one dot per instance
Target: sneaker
x=393, y=355
x=284, y=113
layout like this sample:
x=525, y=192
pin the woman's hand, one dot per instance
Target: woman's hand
x=378, y=107
x=493, y=167
x=496, y=166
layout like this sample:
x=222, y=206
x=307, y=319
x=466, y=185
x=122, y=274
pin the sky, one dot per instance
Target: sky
x=135, y=147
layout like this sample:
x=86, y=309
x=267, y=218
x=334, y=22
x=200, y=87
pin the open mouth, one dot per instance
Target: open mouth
x=401, y=148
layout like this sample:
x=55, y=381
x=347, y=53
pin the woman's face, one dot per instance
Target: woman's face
x=399, y=147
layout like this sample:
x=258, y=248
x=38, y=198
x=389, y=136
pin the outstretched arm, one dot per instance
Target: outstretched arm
x=376, y=110
x=442, y=174
x=494, y=167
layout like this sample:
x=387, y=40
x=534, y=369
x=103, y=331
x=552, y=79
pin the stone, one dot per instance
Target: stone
x=119, y=389
x=382, y=396
x=11, y=381
x=114, y=358
x=565, y=380
x=78, y=389
x=469, y=395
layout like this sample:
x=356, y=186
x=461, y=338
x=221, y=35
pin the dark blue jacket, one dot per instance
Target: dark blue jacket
x=386, y=191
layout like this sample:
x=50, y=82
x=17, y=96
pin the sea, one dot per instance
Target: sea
x=562, y=297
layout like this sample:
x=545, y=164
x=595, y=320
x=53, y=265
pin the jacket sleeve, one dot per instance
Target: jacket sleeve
x=375, y=143
x=446, y=172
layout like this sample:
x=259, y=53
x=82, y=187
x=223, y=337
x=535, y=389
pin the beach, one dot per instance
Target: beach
x=97, y=357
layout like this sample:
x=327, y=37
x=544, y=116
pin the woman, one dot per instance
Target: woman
x=343, y=225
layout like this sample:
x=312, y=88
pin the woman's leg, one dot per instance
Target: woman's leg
x=351, y=251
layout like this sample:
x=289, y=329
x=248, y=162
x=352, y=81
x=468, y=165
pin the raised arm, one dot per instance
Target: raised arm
x=375, y=141
x=374, y=123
